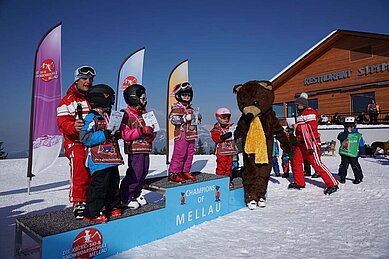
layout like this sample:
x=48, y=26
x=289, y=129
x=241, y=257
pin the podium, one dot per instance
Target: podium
x=59, y=235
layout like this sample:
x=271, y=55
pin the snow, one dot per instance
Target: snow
x=351, y=223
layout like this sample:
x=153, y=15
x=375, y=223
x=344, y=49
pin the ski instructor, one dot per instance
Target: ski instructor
x=70, y=113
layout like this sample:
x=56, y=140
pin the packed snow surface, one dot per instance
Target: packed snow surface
x=351, y=223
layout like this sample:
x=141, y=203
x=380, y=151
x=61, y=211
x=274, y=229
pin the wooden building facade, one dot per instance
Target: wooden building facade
x=342, y=73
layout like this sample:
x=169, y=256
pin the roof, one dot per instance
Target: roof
x=316, y=50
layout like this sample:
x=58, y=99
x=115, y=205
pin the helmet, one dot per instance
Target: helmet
x=223, y=115
x=100, y=96
x=183, y=88
x=133, y=93
x=349, y=120
x=84, y=72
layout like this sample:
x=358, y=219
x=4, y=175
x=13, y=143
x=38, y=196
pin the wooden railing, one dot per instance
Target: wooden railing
x=383, y=118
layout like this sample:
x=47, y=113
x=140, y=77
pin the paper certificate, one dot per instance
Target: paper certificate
x=151, y=120
x=115, y=120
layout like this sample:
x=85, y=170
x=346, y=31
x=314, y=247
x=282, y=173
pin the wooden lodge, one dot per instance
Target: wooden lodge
x=341, y=73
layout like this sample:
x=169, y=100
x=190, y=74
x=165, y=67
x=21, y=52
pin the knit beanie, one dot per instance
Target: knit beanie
x=302, y=99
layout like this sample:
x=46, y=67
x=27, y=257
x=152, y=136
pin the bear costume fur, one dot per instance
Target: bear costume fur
x=255, y=98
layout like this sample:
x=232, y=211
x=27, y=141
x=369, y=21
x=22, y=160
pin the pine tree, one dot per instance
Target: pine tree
x=3, y=154
x=200, y=150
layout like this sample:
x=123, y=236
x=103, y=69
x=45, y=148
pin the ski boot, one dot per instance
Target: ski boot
x=285, y=175
x=175, y=177
x=315, y=175
x=342, y=180
x=357, y=181
x=189, y=176
x=116, y=212
x=277, y=174
x=330, y=190
x=100, y=219
x=78, y=210
x=141, y=200
x=295, y=186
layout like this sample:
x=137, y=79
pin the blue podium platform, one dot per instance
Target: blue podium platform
x=59, y=235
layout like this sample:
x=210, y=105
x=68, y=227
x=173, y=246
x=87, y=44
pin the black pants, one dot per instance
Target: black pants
x=373, y=118
x=353, y=161
x=103, y=192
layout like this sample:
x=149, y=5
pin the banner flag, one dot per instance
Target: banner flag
x=177, y=76
x=45, y=139
x=130, y=73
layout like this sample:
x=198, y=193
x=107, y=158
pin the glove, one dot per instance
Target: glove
x=188, y=117
x=107, y=134
x=118, y=135
x=226, y=136
x=147, y=131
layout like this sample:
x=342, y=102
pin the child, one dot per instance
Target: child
x=276, y=154
x=138, y=140
x=225, y=146
x=185, y=133
x=351, y=145
x=285, y=158
x=103, y=156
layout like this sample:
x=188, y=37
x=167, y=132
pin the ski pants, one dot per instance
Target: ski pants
x=79, y=174
x=182, y=157
x=355, y=166
x=132, y=184
x=313, y=158
x=103, y=192
x=223, y=165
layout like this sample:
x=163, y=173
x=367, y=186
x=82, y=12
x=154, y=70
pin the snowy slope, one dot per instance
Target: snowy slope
x=352, y=223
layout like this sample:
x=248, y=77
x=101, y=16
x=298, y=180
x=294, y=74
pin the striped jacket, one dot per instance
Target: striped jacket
x=67, y=113
x=308, y=119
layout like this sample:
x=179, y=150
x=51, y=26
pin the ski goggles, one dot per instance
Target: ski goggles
x=224, y=116
x=182, y=87
x=86, y=70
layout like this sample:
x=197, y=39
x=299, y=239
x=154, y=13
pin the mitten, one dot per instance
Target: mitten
x=226, y=136
x=107, y=134
x=188, y=117
x=147, y=131
x=118, y=135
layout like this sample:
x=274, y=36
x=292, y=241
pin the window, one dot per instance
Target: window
x=313, y=103
x=279, y=109
x=290, y=109
x=359, y=102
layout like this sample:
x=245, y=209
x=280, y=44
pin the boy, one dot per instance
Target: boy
x=103, y=156
x=351, y=146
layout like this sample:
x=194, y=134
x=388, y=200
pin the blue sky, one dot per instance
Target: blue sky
x=226, y=42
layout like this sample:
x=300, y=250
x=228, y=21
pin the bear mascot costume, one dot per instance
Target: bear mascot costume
x=257, y=126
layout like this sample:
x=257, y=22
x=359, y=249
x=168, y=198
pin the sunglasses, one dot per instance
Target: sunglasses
x=86, y=70
x=186, y=95
x=143, y=99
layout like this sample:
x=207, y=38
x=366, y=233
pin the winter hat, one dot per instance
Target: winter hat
x=84, y=72
x=302, y=99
